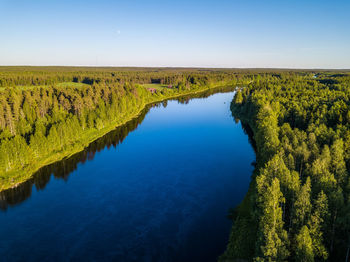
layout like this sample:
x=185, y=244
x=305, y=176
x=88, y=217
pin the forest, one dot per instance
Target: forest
x=49, y=113
x=298, y=204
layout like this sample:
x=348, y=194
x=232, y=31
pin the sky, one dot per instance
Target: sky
x=218, y=33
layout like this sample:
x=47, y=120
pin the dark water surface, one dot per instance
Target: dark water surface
x=156, y=189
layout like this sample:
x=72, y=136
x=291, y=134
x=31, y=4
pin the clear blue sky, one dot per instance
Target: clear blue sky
x=294, y=34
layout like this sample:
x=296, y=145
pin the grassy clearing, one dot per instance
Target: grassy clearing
x=71, y=84
x=156, y=86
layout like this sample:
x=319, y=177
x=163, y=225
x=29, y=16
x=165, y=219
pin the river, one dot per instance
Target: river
x=157, y=189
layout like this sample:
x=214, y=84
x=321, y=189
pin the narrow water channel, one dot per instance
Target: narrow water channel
x=156, y=189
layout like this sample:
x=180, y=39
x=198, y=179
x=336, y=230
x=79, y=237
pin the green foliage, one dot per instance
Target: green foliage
x=304, y=248
x=297, y=208
x=302, y=205
x=48, y=113
x=316, y=223
x=301, y=131
x=273, y=239
x=238, y=99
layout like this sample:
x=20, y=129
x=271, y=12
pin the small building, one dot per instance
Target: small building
x=152, y=90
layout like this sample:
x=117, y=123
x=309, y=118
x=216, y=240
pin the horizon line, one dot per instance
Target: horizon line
x=179, y=67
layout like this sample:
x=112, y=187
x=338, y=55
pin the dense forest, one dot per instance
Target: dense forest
x=47, y=114
x=298, y=204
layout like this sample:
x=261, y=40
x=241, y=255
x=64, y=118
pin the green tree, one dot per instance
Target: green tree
x=338, y=162
x=273, y=238
x=320, y=212
x=302, y=205
x=304, y=248
x=238, y=99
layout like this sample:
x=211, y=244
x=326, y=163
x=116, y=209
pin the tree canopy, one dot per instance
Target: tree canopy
x=297, y=206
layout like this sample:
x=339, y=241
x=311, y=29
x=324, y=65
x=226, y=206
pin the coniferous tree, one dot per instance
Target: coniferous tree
x=304, y=249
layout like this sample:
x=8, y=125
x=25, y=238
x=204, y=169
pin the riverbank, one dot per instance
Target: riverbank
x=136, y=167
x=241, y=246
x=16, y=177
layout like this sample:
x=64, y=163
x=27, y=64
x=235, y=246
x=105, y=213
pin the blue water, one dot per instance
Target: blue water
x=162, y=194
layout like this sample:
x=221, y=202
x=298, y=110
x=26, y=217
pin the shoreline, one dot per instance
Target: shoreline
x=90, y=137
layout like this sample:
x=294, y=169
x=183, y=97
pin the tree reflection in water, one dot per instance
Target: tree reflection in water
x=62, y=169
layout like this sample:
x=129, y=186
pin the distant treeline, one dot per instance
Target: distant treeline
x=298, y=204
x=34, y=77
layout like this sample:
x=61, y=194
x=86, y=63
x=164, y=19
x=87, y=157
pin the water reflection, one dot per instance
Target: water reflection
x=62, y=169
